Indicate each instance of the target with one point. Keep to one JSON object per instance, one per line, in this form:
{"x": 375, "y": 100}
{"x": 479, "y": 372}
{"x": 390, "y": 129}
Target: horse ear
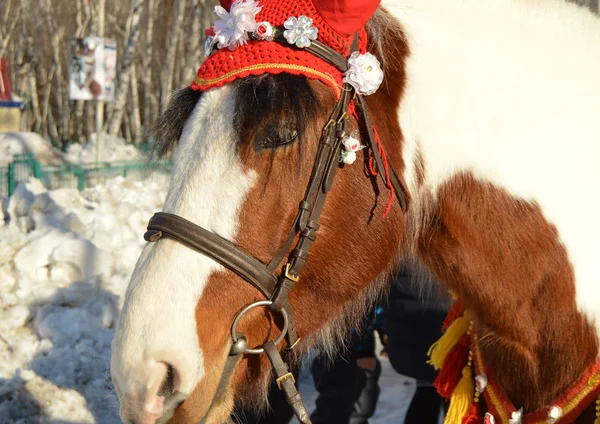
{"x": 226, "y": 4}
{"x": 346, "y": 16}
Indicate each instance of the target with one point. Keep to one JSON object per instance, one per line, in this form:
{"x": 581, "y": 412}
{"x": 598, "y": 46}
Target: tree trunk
{"x": 136, "y": 124}
{"x": 6, "y": 33}
{"x": 169, "y": 67}
{"x": 149, "y": 110}
{"x": 122, "y": 88}
{"x": 194, "y": 49}
{"x": 35, "y": 102}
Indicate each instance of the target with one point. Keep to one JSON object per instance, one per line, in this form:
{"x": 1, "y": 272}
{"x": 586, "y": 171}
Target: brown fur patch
{"x": 506, "y": 262}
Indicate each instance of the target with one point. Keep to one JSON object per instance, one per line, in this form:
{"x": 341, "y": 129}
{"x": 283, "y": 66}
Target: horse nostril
{"x": 167, "y": 387}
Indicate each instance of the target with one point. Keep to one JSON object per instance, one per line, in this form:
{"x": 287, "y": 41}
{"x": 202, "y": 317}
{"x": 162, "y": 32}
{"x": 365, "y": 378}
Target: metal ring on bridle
{"x": 239, "y": 316}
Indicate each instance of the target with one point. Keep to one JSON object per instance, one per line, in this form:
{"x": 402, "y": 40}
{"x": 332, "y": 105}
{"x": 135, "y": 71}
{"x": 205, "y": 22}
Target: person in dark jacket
{"x": 413, "y": 323}
{"x": 348, "y": 387}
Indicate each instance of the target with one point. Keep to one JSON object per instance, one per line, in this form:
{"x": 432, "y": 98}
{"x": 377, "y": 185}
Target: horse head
{"x": 252, "y": 136}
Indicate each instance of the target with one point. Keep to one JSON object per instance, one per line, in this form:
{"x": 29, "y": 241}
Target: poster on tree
{"x": 93, "y": 69}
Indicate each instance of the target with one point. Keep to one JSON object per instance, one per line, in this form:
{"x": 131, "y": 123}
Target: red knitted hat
{"x": 336, "y": 21}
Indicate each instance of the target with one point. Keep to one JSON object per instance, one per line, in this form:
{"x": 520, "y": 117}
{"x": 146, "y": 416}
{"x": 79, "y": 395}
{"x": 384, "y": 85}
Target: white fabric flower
{"x": 481, "y": 382}
{"x": 348, "y": 157}
{"x": 489, "y": 419}
{"x": 516, "y": 417}
{"x": 264, "y": 31}
{"x": 352, "y": 143}
{"x": 554, "y": 414}
{"x": 364, "y": 73}
{"x": 300, "y": 31}
{"x": 234, "y": 26}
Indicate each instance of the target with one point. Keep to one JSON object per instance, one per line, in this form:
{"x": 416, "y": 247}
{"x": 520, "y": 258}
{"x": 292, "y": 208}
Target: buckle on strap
{"x": 285, "y": 377}
{"x": 289, "y": 275}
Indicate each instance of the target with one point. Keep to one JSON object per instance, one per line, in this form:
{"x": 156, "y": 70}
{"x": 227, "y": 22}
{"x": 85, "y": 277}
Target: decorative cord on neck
{"x": 374, "y": 171}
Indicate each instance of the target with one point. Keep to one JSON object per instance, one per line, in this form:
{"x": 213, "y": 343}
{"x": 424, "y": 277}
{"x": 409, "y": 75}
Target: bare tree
{"x": 149, "y": 97}
{"x": 169, "y": 66}
{"x": 8, "y": 24}
{"x": 194, "y": 49}
{"x": 114, "y": 122}
{"x": 38, "y": 47}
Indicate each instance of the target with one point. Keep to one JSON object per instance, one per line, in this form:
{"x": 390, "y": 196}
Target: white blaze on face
{"x": 158, "y": 323}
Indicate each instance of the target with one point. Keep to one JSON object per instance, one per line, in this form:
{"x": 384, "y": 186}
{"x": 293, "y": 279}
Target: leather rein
{"x": 276, "y": 286}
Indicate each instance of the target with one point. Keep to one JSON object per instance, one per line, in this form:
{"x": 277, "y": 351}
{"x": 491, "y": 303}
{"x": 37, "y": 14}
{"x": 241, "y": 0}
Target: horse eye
{"x": 277, "y": 139}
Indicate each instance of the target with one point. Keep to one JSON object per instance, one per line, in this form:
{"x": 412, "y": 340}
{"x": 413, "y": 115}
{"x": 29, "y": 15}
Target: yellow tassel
{"x": 461, "y": 398}
{"x": 439, "y": 350}
{"x": 597, "y": 420}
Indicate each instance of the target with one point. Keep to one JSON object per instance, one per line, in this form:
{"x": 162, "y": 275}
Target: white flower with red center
{"x": 351, "y": 145}
{"x": 234, "y": 26}
{"x": 481, "y": 382}
{"x": 300, "y": 31}
{"x": 265, "y": 31}
{"x": 364, "y": 73}
{"x": 489, "y": 419}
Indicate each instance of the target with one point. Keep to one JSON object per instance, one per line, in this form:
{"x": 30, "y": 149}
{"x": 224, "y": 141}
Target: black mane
{"x": 271, "y": 110}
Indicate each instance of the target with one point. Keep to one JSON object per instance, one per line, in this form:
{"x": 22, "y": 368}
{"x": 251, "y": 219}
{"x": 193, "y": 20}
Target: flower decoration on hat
{"x": 364, "y": 73}
{"x": 300, "y": 31}
{"x": 264, "y": 31}
{"x": 233, "y": 27}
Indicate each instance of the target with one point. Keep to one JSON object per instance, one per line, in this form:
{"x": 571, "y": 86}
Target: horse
{"x": 487, "y": 117}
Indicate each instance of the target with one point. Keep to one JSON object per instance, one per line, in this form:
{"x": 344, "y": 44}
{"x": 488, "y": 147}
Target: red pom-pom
{"x": 346, "y": 16}
{"x": 473, "y": 415}
{"x": 451, "y": 370}
{"x": 226, "y": 4}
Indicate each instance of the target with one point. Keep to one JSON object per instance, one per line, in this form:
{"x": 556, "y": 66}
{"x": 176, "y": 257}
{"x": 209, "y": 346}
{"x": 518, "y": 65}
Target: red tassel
{"x": 451, "y": 370}
{"x": 456, "y": 310}
{"x": 473, "y": 415}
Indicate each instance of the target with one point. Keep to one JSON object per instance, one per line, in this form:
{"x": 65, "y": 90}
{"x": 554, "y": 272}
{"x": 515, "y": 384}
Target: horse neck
{"x": 497, "y": 251}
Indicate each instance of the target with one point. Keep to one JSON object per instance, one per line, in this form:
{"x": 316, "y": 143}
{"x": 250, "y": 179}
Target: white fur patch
{"x": 208, "y": 187}
{"x": 510, "y": 91}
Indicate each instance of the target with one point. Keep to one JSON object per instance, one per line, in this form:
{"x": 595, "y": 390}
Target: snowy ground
{"x": 112, "y": 149}
{"x": 18, "y": 143}
{"x": 65, "y": 261}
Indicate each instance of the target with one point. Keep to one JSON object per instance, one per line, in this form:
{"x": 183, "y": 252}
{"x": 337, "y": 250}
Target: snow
{"x": 18, "y": 143}
{"x": 112, "y": 149}
{"x": 65, "y": 260}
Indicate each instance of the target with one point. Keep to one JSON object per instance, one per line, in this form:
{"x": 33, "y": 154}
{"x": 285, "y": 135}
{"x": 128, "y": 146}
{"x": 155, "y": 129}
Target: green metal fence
{"x": 80, "y": 177}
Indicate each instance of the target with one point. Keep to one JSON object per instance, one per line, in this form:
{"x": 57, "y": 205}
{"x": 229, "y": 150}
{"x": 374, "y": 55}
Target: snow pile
{"x": 18, "y": 143}
{"x": 65, "y": 260}
{"x": 112, "y": 149}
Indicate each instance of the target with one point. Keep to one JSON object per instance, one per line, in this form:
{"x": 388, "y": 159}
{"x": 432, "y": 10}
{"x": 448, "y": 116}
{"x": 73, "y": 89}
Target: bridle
{"x": 274, "y": 286}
